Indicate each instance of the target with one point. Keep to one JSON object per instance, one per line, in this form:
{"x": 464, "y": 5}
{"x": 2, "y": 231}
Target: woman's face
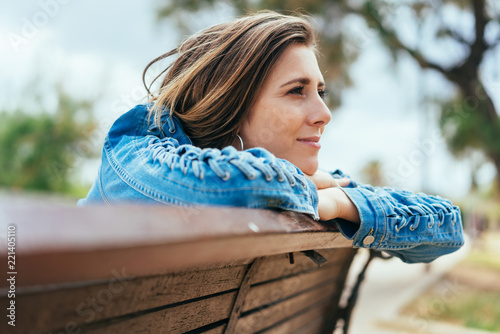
{"x": 290, "y": 115}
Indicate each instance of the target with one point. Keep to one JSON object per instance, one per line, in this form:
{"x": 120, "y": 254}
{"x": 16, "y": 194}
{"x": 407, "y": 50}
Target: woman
{"x": 237, "y": 121}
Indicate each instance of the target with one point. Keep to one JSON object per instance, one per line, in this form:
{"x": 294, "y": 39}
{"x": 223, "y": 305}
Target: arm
{"x": 141, "y": 165}
{"x": 188, "y": 175}
{"x": 413, "y": 227}
{"x": 332, "y": 201}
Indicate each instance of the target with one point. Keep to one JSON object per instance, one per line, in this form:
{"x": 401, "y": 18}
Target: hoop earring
{"x": 241, "y": 141}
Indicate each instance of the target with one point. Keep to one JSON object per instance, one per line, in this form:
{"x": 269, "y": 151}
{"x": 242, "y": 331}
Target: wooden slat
{"x": 99, "y": 227}
{"x": 268, "y": 316}
{"x": 71, "y": 267}
{"x": 178, "y": 319}
{"x": 217, "y": 330}
{"x": 280, "y": 289}
{"x": 313, "y": 327}
{"x": 45, "y": 310}
{"x": 242, "y": 295}
{"x": 300, "y": 320}
{"x": 85, "y": 304}
{"x": 81, "y": 244}
{"x": 279, "y": 265}
{"x": 66, "y": 259}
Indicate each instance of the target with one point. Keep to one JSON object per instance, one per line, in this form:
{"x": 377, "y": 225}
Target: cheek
{"x": 257, "y": 132}
{"x": 278, "y": 121}
{"x": 274, "y": 125}
{"x": 264, "y": 137}
{"x": 269, "y": 126}
{"x": 284, "y": 122}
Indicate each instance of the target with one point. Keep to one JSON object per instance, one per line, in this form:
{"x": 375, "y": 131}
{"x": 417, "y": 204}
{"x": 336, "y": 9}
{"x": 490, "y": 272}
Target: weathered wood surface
{"x": 302, "y": 321}
{"x": 60, "y": 245}
{"x": 172, "y": 270}
{"x": 82, "y": 304}
{"x": 178, "y": 319}
{"x": 286, "y": 287}
{"x": 267, "y": 316}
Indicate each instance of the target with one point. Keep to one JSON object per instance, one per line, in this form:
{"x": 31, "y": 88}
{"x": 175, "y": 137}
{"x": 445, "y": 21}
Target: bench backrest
{"x": 173, "y": 270}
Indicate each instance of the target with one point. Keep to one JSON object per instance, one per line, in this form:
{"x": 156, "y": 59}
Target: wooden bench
{"x": 156, "y": 269}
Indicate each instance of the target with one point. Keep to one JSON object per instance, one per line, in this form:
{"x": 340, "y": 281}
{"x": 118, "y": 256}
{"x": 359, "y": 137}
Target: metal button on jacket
{"x": 368, "y": 240}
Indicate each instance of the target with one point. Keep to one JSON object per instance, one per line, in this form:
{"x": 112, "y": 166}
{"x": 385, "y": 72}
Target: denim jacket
{"x": 142, "y": 163}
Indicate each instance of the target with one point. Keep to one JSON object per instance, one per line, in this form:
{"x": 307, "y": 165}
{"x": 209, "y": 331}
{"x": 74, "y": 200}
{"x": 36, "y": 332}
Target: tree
{"x": 469, "y": 119}
{"x": 39, "y": 150}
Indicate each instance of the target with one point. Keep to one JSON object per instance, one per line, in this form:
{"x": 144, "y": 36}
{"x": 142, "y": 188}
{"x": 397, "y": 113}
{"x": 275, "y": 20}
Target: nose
{"x": 320, "y": 115}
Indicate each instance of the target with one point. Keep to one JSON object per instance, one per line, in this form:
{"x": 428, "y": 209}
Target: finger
{"x": 343, "y": 182}
{"x": 321, "y": 180}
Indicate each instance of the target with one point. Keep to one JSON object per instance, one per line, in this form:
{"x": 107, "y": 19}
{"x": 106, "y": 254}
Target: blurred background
{"x": 414, "y": 92}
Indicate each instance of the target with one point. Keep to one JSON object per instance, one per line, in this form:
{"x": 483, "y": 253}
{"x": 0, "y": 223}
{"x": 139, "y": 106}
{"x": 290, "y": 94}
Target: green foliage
{"x": 469, "y": 293}
{"x": 38, "y": 151}
{"x": 464, "y": 128}
{"x": 483, "y": 259}
{"x": 473, "y": 308}
{"x": 461, "y": 298}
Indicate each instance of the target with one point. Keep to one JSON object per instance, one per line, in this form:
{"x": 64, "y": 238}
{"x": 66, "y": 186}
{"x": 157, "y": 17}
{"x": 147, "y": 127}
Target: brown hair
{"x": 219, "y": 71}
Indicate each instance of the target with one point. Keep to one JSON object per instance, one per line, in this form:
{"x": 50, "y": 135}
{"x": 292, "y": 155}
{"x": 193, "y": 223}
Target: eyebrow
{"x": 304, "y": 81}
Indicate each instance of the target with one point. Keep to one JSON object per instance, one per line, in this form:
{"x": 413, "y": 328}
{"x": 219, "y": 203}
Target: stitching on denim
{"x": 414, "y": 226}
{"x": 441, "y": 218}
{"x": 219, "y": 190}
{"x": 441, "y": 245}
{"x": 247, "y": 164}
{"x": 161, "y": 198}
{"x": 385, "y": 216}
{"x": 249, "y": 173}
{"x": 171, "y": 125}
{"x": 403, "y": 224}
{"x": 279, "y": 171}
{"x": 431, "y": 221}
{"x": 99, "y": 184}
{"x": 357, "y": 235}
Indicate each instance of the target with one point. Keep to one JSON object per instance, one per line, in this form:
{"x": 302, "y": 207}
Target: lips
{"x": 311, "y": 141}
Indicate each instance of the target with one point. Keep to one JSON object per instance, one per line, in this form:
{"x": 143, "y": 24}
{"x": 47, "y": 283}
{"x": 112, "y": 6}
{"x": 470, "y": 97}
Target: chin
{"x": 308, "y": 167}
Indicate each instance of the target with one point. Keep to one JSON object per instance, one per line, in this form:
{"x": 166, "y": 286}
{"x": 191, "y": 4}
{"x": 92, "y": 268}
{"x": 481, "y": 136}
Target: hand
{"x": 324, "y": 180}
{"x": 334, "y": 203}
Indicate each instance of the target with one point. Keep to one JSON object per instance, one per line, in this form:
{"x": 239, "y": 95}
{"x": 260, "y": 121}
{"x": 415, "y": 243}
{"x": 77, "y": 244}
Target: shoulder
{"x": 138, "y": 123}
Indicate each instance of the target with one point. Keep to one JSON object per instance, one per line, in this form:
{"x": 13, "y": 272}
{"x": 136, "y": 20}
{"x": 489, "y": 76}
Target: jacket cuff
{"x": 370, "y": 231}
{"x": 313, "y": 192}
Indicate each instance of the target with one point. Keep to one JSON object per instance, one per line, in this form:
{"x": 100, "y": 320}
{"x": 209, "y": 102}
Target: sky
{"x": 100, "y": 48}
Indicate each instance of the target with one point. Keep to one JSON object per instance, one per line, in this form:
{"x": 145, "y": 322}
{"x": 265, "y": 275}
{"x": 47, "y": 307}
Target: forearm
{"x": 413, "y": 227}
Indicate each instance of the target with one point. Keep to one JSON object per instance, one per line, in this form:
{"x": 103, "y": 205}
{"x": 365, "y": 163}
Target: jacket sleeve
{"x": 412, "y": 227}
{"x": 163, "y": 171}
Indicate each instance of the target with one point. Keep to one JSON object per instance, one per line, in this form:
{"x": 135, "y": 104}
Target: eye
{"x": 323, "y": 93}
{"x": 297, "y": 90}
